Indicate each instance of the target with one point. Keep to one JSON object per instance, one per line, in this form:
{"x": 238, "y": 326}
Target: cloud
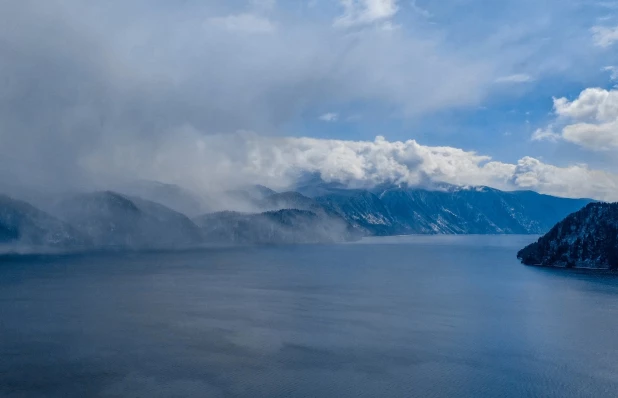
{"x": 571, "y": 181}
{"x": 329, "y": 117}
{"x": 78, "y": 78}
{"x": 613, "y": 72}
{"x": 546, "y": 134}
{"x": 593, "y": 104}
{"x": 516, "y": 78}
{"x": 360, "y": 12}
{"x": 590, "y": 121}
{"x": 603, "y": 36}
{"x": 191, "y": 158}
{"x": 599, "y": 137}
{"x": 244, "y": 23}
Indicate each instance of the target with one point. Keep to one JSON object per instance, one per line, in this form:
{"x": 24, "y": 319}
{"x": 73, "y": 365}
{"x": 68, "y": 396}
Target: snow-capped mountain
{"x": 587, "y": 238}
{"x": 442, "y": 209}
{"x": 471, "y": 210}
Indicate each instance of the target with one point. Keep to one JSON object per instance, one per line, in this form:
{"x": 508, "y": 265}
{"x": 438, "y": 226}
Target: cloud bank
{"x": 207, "y": 162}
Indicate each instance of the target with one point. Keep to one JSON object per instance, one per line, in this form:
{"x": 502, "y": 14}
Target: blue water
{"x": 403, "y": 316}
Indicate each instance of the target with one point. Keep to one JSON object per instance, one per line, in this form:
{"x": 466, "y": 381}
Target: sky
{"x": 212, "y": 94}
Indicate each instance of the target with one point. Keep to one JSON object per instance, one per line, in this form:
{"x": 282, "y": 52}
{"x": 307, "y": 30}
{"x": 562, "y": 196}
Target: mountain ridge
{"x": 485, "y": 210}
{"x": 108, "y": 219}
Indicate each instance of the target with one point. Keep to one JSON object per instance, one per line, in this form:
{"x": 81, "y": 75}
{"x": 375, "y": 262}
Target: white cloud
{"x": 516, "y": 78}
{"x": 248, "y": 23}
{"x": 190, "y": 158}
{"x": 600, "y": 137}
{"x": 360, "y": 12}
{"x": 604, "y": 36}
{"x": 572, "y": 181}
{"x": 594, "y": 104}
{"x": 613, "y": 72}
{"x": 329, "y": 117}
{"x": 546, "y": 134}
{"x": 590, "y": 121}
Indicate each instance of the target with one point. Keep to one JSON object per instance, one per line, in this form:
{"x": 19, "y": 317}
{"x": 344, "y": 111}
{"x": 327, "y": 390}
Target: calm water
{"x": 405, "y": 316}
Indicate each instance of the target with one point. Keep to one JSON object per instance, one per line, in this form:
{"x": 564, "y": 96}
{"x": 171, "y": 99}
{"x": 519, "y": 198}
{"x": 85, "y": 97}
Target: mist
{"x": 95, "y": 95}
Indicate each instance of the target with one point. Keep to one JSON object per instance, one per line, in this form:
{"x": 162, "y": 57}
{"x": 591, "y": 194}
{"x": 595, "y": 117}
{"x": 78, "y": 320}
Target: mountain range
{"x": 451, "y": 210}
{"x": 313, "y": 212}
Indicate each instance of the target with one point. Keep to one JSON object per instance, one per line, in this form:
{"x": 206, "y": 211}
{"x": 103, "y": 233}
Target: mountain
{"x": 322, "y": 212}
{"x": 363, "y": 210}
{"x": 112, "y": 220}
{"x": 288, "y": 200}
{"x": 172, "y": 196}
{"x": 287, "y": 217}
{"x": 259, "y": 192}
{"x": 587, "y": 238}
{"x": 274, "y": 227}
{"x": 24, "y": 226}
{"x": 246, "y": 199}
{"x": 295, "y": 200}
{"x": 393, "y": 210}
{"x": 312, "y": 185}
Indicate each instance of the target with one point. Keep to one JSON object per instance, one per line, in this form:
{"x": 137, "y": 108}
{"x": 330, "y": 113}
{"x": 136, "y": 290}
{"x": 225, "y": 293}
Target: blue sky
{"x": 550, "y": 44}
{"x": 516, "y": 94}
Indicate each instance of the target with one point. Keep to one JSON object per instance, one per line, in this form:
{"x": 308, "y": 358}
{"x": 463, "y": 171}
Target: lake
{"x": 426, "y": 316}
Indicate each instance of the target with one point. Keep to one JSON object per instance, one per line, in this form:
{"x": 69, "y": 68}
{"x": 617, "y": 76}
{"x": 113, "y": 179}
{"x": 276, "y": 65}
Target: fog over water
{"x": 424, "y": 316}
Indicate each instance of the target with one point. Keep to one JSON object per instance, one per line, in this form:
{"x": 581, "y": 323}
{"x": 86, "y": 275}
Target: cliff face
{"x": 585, "y": 239}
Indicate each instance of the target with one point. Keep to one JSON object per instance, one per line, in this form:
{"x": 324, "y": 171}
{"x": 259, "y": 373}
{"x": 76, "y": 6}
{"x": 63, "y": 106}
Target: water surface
{"x": 402, "y": 316}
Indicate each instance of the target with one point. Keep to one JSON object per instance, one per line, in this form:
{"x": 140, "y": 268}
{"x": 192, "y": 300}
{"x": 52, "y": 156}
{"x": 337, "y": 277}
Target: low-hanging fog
{"x": 97, "y": 95}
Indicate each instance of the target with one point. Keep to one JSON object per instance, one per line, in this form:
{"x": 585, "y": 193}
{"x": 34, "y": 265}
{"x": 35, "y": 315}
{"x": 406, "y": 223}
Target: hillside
{"x": 587, "y": 238}
{"x": 24, "y": 226}
{"x": 274, "y": 227}
{"x": 477, "y": 210}
{"x": 111, "y": 220}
